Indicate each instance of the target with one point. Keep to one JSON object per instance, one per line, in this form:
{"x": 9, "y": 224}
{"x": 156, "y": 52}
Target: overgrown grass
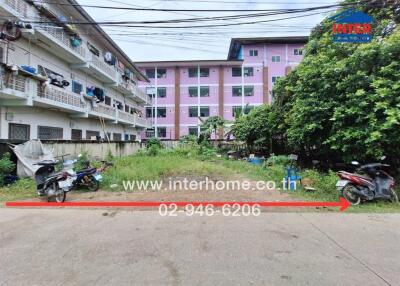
{"x": 22, "y": 189}
{"x": 163, "y": 166}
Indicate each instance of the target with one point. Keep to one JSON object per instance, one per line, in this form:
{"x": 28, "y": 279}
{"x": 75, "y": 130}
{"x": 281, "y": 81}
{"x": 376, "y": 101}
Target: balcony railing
{"x": 103, "y": 109}
{"x": 142, "y": 95}
{"x": 126, "y": 117}
{"x": 61, "y": 96}
{"x": 60, "y": 35}
{"x": 15, "y": 82}
{"x": 126, "y": 84}
{"x": 103, "y": 66}
{"x": 19, "y": 6}
{"x": 140, "y": 121}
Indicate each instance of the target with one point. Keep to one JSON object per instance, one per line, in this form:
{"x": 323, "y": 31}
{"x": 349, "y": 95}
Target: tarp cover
{"x": 28, "y": 154}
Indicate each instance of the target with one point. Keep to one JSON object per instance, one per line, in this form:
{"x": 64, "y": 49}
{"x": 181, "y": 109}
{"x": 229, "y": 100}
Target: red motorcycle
{"x": 373, "y": 184}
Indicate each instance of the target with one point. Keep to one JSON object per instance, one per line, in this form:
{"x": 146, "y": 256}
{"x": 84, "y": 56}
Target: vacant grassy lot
{"x": 168, "y": 165}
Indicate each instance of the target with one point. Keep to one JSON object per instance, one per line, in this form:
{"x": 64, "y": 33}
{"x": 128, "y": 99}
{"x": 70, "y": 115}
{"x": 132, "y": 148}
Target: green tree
{"x": 212, "y": 125}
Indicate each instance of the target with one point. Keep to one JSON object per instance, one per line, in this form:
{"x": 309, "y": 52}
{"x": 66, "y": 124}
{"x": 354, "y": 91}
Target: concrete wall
{"x": 96, "y": 150}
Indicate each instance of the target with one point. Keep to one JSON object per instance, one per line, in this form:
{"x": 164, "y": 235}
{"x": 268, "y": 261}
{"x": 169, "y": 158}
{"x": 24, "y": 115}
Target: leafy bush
{"x": 277, "y": 160}
{"x": 153, "y": 150}
{"x": 154, "y": 142}
{"x": 82, "y": 161}
{"x": 6, "y": 166}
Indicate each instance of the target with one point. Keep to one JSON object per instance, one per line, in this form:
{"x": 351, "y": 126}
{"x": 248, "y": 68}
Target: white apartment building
{"x": 65, "y": 82}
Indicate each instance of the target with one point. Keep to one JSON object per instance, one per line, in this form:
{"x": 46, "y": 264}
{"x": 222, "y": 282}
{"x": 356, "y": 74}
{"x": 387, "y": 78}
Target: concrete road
{"x": 87, "y": 247}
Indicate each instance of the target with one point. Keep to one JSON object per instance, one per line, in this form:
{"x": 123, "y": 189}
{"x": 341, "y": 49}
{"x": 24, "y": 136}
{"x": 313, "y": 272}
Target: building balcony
{"x": 104, "y": 111}
{"x": 103, "y": 71}
{"x": 141, "y": 97}
{"x": 57, "y": 41}
{"x": 17, "y": 8}
{"x": 125, "y": 118}
{"x": 13, "y": 86}
{"x": 58, "y": 98}
{"x": 124, "y": 86}
{"x": 142, "y": 122}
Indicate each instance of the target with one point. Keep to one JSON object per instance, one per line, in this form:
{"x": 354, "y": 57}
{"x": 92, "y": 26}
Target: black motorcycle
{"x": 51, "y": 184}
{"x": 373, "y": 183}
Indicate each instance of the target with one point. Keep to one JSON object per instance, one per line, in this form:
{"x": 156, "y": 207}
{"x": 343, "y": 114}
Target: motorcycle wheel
{"x": 61, "y": 195}
{"x": 394, "y": 198}
{"x": 93, "y": 185}
{"x": 352, "y": 198}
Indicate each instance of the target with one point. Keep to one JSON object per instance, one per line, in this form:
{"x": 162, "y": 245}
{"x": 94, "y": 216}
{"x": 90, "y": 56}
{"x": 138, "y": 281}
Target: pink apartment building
{"x": 183, "y": 91}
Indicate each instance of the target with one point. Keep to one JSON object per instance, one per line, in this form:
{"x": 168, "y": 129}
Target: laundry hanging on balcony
{"x": 75, "y": 41}
{"x": 110, "y": 59}
{"x": 10, "y": 31}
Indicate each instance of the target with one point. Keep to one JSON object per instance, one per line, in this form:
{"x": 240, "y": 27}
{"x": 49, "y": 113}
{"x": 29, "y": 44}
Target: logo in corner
{"x": 352, "y": 26}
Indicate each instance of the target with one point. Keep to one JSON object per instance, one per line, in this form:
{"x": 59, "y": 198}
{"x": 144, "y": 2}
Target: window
{"x": 193, "y": 72}
{"x": 276, "y": 59}
{"x": 194, "y": 130}
{"x": 107, "y": 100}
{"x": 127, "y": 108}
{"x": 161, "y": 92}
{"x": 150, "y": 112}
{"x": 93, "y": 50}
{"x": 236, "y": 91}
{"x": 193, "y": 111}
{"x": 117, "y": 136}
{"x": 253, "y": 53}
{"x": 161, "y": 112}
{"x": 204, "y": 72}
{"x": 77, "y": 87}
{"x": 151, "y": 73}
{"x": 193, "y": 91}
{"x": 161, "y": 73}
{"x": 92, "y": 134}
{"x": 162, "y": 132}
{"x": 248, "y": 71}
{"x": 151, "y": 91}
{"x": 76, "y": 134}
{"x": 275, "y": 78}
{"x": 237, "y": 71}
{"x": 236, "y": 111}
{"x": 249, "y": 90}
{"x": 298, "y": 52}
{"x": 19, "y": 131}
{"x": 204, "y": 91}
{"x": 118, "y": 105}
{"x": 50, "y": 133}
{"x": 204, "y": 111}
{"x": 132, "y": 137}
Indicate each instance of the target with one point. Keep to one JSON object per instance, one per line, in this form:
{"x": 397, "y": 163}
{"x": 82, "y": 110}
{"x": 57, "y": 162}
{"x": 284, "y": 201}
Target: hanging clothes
{"x": 99, "y": 94}
{"x": 90, "y": 90}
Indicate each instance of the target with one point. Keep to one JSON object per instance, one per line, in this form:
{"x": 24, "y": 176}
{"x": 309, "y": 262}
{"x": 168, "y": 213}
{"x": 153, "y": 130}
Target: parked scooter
{"x": 51, "y": 184}
{"x": 373, "y": 184}
{"x": 88, "y": 178}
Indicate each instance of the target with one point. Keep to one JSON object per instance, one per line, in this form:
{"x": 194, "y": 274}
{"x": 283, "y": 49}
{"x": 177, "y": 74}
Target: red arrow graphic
{"x": 343, "y": 204}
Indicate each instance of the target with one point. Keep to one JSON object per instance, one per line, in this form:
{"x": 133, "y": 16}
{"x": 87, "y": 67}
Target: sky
{"x": 160, "y": 44}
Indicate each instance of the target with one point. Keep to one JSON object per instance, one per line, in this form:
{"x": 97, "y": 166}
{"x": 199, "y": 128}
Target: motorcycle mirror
{"x": 355, "y": 163}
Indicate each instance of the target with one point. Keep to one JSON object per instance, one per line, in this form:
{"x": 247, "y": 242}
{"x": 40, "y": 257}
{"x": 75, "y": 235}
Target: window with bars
{"x": 19, "y": 131}
{"x": 151, "y": 73}
{"x": 50, "y": 133}
{"x": 253, "y": 53}
{"x": 117, "y": 136}
{"x": 76, "y": 134}
{"x": 91, "y": 134}
{"x": 237, "y": 71}
{"x": 161, "y": 73}
{"x": 298, "y": 52}
{"x": 162, "y": 132}
{"x": 194, "y": 130}
{"x": 77, "y": 87}
{"x": 248, "y": 71}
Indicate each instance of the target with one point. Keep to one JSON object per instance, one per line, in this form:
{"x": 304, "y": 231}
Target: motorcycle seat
{"x": 356, "y": 175}
{"x": 88, "y": 170}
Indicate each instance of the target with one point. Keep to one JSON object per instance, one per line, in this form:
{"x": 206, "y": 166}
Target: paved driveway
{"x": 87, "y": 247}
